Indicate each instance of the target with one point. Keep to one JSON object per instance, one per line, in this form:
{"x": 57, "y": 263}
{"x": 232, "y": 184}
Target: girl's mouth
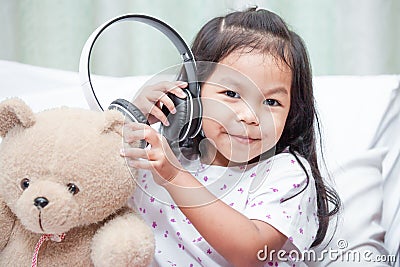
{"x": 243, "y": 139}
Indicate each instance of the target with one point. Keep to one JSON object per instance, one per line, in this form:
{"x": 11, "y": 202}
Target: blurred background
{"x": 344, "y": 37}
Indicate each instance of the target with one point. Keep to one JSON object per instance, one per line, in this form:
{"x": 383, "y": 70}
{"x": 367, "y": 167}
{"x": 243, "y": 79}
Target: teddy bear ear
{"x": 14, "y": 112}
{"x": 113, "y": 121}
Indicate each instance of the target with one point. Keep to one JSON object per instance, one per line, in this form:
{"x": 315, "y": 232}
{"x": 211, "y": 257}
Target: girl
{"x": 254, "y": 195}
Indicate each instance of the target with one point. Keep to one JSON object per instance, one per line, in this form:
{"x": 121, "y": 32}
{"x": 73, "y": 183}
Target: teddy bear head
{"x": 61, "y": 168}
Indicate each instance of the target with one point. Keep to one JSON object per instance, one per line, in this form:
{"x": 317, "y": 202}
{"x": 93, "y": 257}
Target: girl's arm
{"x": 237, "y": 238}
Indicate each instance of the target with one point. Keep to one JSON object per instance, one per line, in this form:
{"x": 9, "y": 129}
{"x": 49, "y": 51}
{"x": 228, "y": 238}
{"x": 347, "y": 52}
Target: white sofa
{"x": 360, "y": 131}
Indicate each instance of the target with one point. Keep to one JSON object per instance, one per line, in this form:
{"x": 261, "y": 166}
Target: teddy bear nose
{"x": 40, "y": 202}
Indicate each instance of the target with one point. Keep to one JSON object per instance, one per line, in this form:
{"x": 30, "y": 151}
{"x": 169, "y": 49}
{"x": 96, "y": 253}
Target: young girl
{"x": 255, "y": 188}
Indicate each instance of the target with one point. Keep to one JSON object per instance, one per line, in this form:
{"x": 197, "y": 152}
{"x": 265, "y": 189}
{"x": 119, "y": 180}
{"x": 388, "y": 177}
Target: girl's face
{"x": 245, "y": 101}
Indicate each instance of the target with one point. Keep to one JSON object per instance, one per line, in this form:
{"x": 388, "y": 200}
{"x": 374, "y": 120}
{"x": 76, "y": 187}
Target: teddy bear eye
{"x": 73, "y": 188}
{"x": 24, "y": 183}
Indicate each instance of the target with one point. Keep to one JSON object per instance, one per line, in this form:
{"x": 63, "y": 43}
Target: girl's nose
{"x": 247, "y": 115}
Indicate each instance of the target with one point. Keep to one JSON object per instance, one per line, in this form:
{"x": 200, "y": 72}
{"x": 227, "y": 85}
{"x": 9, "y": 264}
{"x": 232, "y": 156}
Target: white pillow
{"x": 359, "y": 184}
{"x": 351, "y": 109}
{"x": 389, "y": 137}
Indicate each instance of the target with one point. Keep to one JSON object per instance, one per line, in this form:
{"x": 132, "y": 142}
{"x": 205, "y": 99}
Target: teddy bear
{"x": 64, "y": 189}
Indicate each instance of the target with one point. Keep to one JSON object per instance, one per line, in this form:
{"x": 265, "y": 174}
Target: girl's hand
{"x": 159, "y": 158}
{"x": 150, "y": 98}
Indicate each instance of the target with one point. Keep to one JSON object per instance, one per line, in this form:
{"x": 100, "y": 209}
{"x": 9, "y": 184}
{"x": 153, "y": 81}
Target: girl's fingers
{"x": 140, "y": 164}
{"x": 165, "y": 100}
{"x": 138, "y": 131}
{"x": 157, "y": 113}
{"x": 178, "y": 91}
{"x": 134, "y": 153}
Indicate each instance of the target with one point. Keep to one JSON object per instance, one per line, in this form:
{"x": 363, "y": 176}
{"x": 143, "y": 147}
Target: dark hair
{"x": 266, "y": 32}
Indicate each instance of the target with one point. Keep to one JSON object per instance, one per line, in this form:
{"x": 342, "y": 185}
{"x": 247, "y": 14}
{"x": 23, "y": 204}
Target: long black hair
{"x": 265, "y": 32}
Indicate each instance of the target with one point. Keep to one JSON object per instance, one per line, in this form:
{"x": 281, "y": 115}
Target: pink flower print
{"x": 144, "y": 175}
{"x": 166, "y": 234}
{"x": 154, "y": 225}
{"x": 181, "y": 246}
{"x": 253, "y": 205}
{"x": 274, "y": 189}
{"x": 152, "y": 199}
{"x": 240, "y": 190}
{"x": 231, "y": 204}
{"x": 161, "y": 211}
{"x": 173, "y": 220}
{"x": 296, "y": 185}
{"x": 197, "y": 240}
{"x": 268, "y": 170}
{"x": 291, "y": 239}
{"x": 146, "y": 186}
{"x": 268, "y": 216}
{"x": 242, "y": 167}
{"x": 209, "y": 251}
{"x": 223, "y": 187}
{"x": 301, "y": 230}
{"x": 260, "y": 203}
{"x": 292, "y": 161}
{"x": 205, "y": 178}
{"x": 179, "y": 235}
{"x": 143, "y": 180}
{"x": 172, "y": 207}
{"x": 199, "y": 260}
{"x": 142, "y": 210}
{"x": 253, "y": 175}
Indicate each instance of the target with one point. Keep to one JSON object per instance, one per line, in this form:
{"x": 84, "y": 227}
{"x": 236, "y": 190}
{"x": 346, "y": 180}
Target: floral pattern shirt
{"x": 276, "y": 191}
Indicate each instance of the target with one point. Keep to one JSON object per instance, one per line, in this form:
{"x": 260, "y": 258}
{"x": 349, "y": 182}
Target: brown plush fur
{"x": 53, "y": 149}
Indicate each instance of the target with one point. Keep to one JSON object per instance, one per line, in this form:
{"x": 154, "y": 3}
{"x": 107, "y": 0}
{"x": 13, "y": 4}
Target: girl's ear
{"x": 113, "y": 121}
{"x": 13, "y": 113}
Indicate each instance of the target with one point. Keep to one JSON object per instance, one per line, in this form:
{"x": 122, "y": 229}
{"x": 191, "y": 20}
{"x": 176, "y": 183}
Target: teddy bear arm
{"x": 123, "y": 241}
{"x": 7, "y": 220}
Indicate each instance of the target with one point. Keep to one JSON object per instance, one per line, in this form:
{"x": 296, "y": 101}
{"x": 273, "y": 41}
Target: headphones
{"x": 186, "y": 122}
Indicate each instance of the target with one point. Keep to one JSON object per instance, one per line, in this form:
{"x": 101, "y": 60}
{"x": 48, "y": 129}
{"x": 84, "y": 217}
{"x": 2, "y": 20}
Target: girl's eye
{"x": 232, "y": 94}
{"x": 271, "y": 102}
{"x": 24, "y": 183}
{"x": 73, "y": 188}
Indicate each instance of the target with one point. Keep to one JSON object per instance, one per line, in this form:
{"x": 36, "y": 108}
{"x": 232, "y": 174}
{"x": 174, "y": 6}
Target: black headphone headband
{"x": 169, "y": 32}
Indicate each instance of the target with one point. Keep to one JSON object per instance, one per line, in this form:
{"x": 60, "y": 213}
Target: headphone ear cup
{"x": 129, "y": 110}
{"x": 132, "y": 112}
{"x": 181, "y": 120}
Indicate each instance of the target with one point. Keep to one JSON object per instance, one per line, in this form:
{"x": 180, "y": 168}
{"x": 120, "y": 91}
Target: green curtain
{"x": 349, "y": 37}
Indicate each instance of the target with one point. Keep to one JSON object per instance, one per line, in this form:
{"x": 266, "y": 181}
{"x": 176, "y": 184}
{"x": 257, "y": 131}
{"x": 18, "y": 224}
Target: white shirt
{"x": 258, "y": 191}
